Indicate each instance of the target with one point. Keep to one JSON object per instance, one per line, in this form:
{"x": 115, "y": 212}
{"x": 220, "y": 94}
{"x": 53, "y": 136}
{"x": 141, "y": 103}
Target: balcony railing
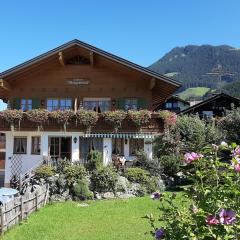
{"x": 155, "y": 124}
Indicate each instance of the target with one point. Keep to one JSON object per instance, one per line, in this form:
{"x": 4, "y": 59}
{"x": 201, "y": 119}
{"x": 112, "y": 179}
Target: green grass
{"x": 194, "y": 92}
{"x": 106, "y": 220}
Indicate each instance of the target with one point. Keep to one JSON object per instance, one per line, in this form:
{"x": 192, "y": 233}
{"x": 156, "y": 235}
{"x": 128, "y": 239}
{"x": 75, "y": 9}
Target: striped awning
{"x": 120, "y": 135}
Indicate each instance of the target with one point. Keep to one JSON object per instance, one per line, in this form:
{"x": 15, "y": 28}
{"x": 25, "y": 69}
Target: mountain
{"x": 201, "y": 66}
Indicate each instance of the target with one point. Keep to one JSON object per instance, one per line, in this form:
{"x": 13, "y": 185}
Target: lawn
{"x": 108, "y": 219}
{"x": 194, "y": 92}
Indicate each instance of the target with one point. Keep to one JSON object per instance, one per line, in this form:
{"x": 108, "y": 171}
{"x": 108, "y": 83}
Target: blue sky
{"x": 140, "y": 31}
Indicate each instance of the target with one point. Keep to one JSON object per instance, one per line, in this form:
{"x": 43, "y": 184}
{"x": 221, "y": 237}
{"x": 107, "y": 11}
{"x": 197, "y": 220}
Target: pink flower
{"x": 227, "y": 216}
{"x": 236, "y": 152}
{"x": 190, "y": 157}
{"x": 237, "y": 167}
{"x": 212, "y": 220}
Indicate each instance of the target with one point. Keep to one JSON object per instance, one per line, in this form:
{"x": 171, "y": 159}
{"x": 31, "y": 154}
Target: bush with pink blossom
{"x": 214, "y": 197}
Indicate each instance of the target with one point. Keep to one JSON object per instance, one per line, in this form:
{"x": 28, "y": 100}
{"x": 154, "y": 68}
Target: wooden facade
{"x": 214, "y": 106}
{"x": 173, "y": 104}
{"x": 50, "y": 76}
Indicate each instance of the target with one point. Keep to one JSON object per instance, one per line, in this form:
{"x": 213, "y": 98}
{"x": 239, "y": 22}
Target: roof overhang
{"x": 155, "y": 78}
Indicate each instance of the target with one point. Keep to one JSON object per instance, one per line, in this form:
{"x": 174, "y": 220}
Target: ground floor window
{"x": 20, "y": 145}
{"x": 36, "y": 145}
{"x": 60, "y": 147}
{"x": 135, "y": 145}
{"x": 86, "y": 145}
{"x": 118, "y": 146}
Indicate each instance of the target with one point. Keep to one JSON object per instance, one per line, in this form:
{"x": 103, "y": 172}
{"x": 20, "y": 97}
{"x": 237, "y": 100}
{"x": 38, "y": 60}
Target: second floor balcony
{"x": 81, "y": 121}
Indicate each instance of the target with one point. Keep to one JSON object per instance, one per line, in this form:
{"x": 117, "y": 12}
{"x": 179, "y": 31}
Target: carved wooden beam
{"x": 61, "y": 58}
{"x": 152, "y": 83}
{"x": 5, "y": 85}
{"x": 92, "y": 58}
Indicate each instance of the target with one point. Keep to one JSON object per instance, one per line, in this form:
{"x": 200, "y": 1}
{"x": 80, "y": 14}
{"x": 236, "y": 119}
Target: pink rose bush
{"x": 213, "y": 201}
{"x": 190, "y": 157}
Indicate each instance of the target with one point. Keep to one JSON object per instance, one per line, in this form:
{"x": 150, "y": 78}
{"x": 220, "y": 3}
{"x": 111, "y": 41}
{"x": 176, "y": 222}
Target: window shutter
{"x": 36, "y": 103}
{"x": 142, "y": 103}
{"x": 120, "y": 103}
{"x": 16, "y": 103}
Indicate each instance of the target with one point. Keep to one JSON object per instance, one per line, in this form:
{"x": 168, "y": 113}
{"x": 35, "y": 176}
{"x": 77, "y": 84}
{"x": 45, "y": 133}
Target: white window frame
{"x": 33, "y": 145}
{"x": 15, "y": 147}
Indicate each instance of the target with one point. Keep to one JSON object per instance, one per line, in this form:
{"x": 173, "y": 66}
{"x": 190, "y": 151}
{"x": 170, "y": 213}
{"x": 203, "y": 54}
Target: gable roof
{"x": 105, "y": 54}
{"x": 213, "y": 98}
{"x": 175, "y": 97}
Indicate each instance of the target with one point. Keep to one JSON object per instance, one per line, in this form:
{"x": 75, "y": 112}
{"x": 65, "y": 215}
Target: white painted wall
{"x": 148, "y": 148}
{"x": 28, "y": 160}
{"x": 107, "y": 151}
{"x": 126, "y": 149}
{"x": 31, "y": 161}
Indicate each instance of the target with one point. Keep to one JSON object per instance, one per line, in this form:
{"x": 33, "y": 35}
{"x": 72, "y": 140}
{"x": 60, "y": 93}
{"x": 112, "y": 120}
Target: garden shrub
{"x": 137, "y": 175}
{"x": 103, "y": 179}
{"x": 44, "y": 171}
{"x": 191, "y": 131}
{"x": 151, "y": 165}
{"x": 81, "y": 190}
{"x": 61, "y": 164}
{"x": 213, "y": 198}
{"x": 151, "y": 185}
{"x": 142, "y": 176}
{"x": 195, "y": 133}
{"x": 95, "y": 160}
{"x": 73, "y": 173}
{"x": 230, "y": 125}
{"x": 170, "y": 164}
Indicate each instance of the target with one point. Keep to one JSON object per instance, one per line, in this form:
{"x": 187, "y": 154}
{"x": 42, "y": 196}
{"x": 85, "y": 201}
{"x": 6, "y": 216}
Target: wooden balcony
{"x": 155, "y": 125}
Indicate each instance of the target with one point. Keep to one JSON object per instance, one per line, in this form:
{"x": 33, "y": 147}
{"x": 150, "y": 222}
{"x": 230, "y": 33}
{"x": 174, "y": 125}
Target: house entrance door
{"x": 89, "y": 144}
{"x": 60, "y": 147}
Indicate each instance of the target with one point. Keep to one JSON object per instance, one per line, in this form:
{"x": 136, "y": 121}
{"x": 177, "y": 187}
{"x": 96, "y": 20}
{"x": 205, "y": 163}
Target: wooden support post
{"x": 2, "y": 220}
{"x": 92, "y": 59}
{"x": 36, "y": 201}
{"x": 21, "y": 210}
{"x": 61, "y": 58}
{"x": 152, "y": 83}
{"x": 75, "y": 105}
{"x": 5, "y": 85}
{"x": 20, "y": 183}
{"x": 46, "y": 196}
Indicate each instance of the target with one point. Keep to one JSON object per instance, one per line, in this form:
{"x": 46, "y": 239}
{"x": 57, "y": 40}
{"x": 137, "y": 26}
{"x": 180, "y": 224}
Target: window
{"x": 175, "y": 105}
{"x": 97, "y": 105}
{"x": 20, "y": 145}
{"x": 60, "y": 147}
{"x": 135, "y": 145}
{"x": 118, "y": 146}
{"x": 168, "y": 105}
{"x": 86, "y": 145}
{"x": 207, "y": 114}
{"x": 131, "y": 104}
{"x": 54, "y": 104}
{"x": 36, "y": 145}
{"x": 26, "y": 104}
